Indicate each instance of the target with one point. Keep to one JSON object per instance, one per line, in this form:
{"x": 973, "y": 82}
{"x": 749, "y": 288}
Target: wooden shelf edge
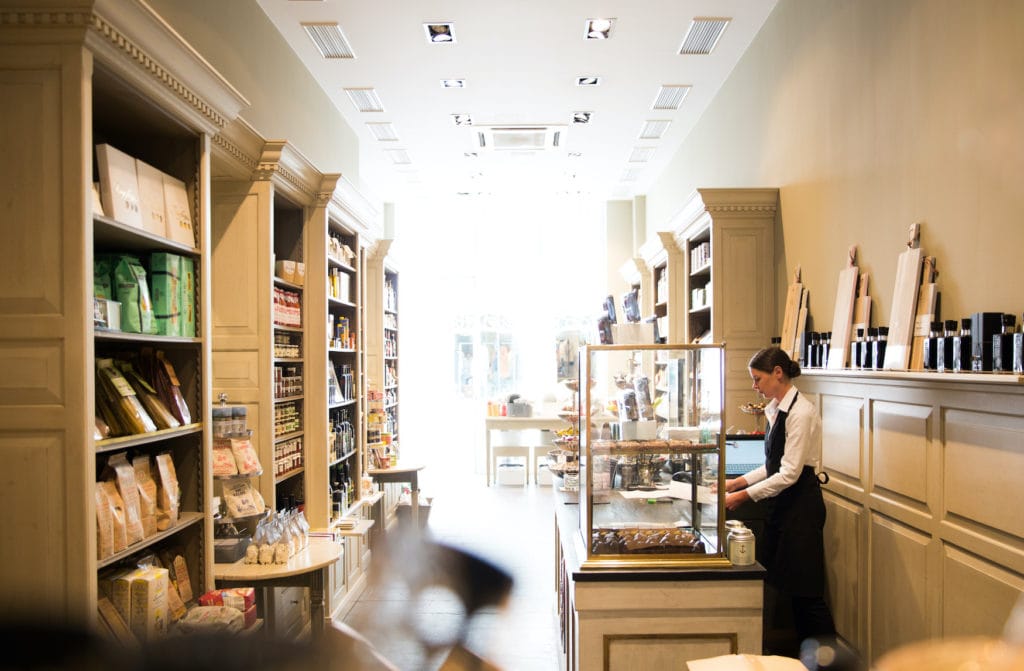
{"x": 137, "y": 439}
{"x": 289, "y": 475}
{"x": 185, "y": 520}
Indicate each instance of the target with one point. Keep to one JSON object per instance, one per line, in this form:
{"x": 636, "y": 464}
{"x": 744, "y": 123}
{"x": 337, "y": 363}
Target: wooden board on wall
{"x": 841, "y": 320}
{"x": 904, "y": 304}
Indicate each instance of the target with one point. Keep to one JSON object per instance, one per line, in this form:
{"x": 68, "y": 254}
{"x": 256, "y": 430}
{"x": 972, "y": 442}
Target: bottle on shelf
{"x": 944, "y": 356}
{"x": 855, "y": 350}
{"x": 962, "y": 346}
{"x": 1002, "y": 344}
{"x": 1018, "y": 348}
{"x": 879, "y": 345}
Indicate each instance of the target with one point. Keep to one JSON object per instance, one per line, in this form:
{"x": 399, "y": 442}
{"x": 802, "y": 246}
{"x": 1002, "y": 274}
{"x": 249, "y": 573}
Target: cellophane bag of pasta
{"x": 223, "y": 458}
{"x": 119, "y": 398}
{"x": 270, "y": 536}
{"x": 104, "y": 524}
{"x": 245, "y": 456}
{"x": 120, "y": 532}
{"x": 157, "y": 369}
{"x": 168, "y": 497}
{"x": 147, "y": 493}
{"x": 158, "y": 411}
{"x": 124, "y": 475}
{"x": 283, "y": 547}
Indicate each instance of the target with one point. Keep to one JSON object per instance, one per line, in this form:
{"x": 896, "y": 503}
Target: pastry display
{"x": 645, "y": 541}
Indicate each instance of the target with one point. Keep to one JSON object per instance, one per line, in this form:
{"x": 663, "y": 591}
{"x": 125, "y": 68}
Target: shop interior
{"x": 376, "y": 337}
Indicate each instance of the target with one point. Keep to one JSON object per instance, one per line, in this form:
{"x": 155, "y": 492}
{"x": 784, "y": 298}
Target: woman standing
{"x": 793, "y": 543}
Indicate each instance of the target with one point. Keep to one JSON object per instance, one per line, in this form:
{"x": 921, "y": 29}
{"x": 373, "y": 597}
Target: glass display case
{"x": 651, "y": 442}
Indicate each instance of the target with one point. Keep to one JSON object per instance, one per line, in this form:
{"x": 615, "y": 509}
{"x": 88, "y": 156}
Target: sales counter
{"x": 637, "y": 618}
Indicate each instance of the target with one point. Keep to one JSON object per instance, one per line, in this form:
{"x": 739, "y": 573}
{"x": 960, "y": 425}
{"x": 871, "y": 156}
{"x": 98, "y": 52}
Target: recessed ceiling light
{"x": 599, "y": 29}
{"x": 670, "y": 97}
{"x": 440, "y": 33}
{"x": 581, "y": 117}
{"x": 365, "y": 99}
{"x": 703, "y": 34}
{"x": 641, "y": 154}
{"x": 383, "y": 131}
{"x": 462, "y": 119}
{"x": 329, "y": 40}
{"x": 399, "y": 156}
{"x": 453, "y": 83}
{"x": 588, "y": 81}
{"x": 653, "y": 130}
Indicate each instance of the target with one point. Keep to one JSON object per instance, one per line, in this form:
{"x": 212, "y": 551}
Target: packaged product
{"x": 147, "y": 494}
{"x": 223, "y": 458}
{"x": 245, "y": 456}
{"x": 188, "y": 297}
{"x": 168, "y": 498}
{"x": 239, "y": 500}
{"x": 149, "y": 603}
{"x": 169, "y": 389}
{"x": 119, "y": 532}
{"x": 104, "y": 523}
{"x": 158, "y": 411}
{"x": 115, "y": 624}
{"x": 119, "y": 399}
{"x": 102, "y": 431}
{"x": 118, "y": 589}
{"x": 102, "y": 273}
{"x": 177, "y": 573}
{"x": 165, "y": 276}
{"x": 175, "y": 606}
{"x": 124, "y": 475}
{"x": 132, "y": 290}
{"x": 212, "y": 620}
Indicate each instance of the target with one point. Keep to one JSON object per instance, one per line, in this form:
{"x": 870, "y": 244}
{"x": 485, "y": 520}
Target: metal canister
{"x": 741, "y": 546}
{"x": 730, "y": 525}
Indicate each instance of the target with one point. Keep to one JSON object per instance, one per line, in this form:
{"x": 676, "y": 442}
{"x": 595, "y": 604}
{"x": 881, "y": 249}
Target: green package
{"x": 102, "y": 285}
{"x": 133, "y": 293}
{"x": 165, "y": 278}
{"x": 188, "y": 297}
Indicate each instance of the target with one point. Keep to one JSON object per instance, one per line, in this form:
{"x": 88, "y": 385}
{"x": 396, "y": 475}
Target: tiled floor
{"x": 511, "y": 527}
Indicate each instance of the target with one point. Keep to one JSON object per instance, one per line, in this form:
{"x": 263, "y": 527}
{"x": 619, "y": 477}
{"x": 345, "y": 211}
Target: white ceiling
{"x": 520, "y": 61}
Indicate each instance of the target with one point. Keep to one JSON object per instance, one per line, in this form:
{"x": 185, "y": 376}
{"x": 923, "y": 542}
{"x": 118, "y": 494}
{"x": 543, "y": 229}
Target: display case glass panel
{"x": 651, "y": 488}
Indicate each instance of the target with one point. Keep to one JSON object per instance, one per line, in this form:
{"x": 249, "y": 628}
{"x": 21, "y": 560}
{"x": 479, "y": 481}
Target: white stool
{"x": 523, "y": 452}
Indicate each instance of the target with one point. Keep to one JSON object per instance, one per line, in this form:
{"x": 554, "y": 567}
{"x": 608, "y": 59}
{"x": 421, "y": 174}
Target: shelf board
{"x": 703, "y": 270}
{"x": 144, "y": 338}
{"x": 288, "y": 329}
{"x": 360, "y": 529}
{"x": 287, "y": 436}
{"x": 390, "y": 311}
{"x": 343, "y": 458}
{"x": 135, "y": 440}
{"x": 110, "y": 235}
{"x": 246, "y": 518}
{"x": 278, "y": 282}
{"x": 289, "y": 475}
{"x": 372, "y": 498}
{"x": 388, "y": 406}
{"x": 288, "y": 359}
{"x": 331, "y": 300}
{"x": 701, "y": 310}
{"x": 342, "y": 404}
{"x": 388, "y": 328}
{"x": 334, "y": 263}
{"x": 185, "y": 520}
{"x": 289, "y": 398}
{"x": 341, "y": 350}
{"x": 239, "y": 476}
{"x": 391, "y": 386}
{"x": 391, "y": 358}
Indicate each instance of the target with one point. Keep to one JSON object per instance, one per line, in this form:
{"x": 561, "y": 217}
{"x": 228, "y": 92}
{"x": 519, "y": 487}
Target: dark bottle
{"x": 826, "y": 347}
{"x": 944, "y": 360}
{"x": 1018, "y": 348}
{"x": 879, "y": 346}
{"x": 811, "y": 339}
{"x": 984, "y": 325}
{"x": 867, "y": 361}
{"x": 1002, "y": 345}
{"x": 776, "y": 341}
{"x": 931, "y": 347}
{"x": 855, "y": 349}
{"x": 962, "y": 346}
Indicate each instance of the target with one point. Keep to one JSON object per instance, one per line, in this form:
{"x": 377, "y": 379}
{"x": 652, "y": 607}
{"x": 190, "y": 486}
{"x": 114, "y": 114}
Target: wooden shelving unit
{"x": 77, "y": 79}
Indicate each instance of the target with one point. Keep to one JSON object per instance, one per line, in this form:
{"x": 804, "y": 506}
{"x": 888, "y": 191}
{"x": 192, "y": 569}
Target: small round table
{"x": 308, "y": 568}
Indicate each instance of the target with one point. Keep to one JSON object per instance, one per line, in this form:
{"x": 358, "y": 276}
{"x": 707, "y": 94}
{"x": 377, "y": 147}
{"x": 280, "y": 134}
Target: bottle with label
{"x": 931, "y": 343}
{"x": 1002, "y": 345}
{"x": 1018, "y": 348}
{"x": 945, "y": 347}
{"x": 962, "y": 346}
{"x": 879, "y": 345}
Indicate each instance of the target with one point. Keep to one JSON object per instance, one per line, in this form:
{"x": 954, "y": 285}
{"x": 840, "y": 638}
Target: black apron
{"x": 794, "y": 544}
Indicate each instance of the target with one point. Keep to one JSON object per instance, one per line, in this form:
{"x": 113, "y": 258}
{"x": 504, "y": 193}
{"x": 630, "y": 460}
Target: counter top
{"x": 567, "y": 518}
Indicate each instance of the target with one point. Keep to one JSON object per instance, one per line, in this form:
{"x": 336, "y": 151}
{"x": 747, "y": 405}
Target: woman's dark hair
{"x": 767, "y": 359}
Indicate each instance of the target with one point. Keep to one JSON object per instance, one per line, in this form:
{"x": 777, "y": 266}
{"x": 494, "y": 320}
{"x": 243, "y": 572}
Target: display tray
{"x": 650, "y": 447}
{"x": 642, "y": 540}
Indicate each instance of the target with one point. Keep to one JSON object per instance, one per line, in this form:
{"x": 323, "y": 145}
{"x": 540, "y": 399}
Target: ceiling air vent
{"x": 630, "y": 174}
{"x": 399, "y": 156}
{"x": 670, "y": 97}
{"x": 365, "y": 99}
{"x": 653, "y": 130}
{"x": 641, "y": 154}
{"x": 531, "y": 138}
{"x": 703, "y": 35}
{"x": 329, "y": 39}
{"x": 383, "y": 131}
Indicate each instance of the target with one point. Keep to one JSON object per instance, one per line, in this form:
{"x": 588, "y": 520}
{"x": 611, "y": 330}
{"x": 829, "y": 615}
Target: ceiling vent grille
{"x": 654, "y": 130}
{"x": 329, "y": 39}
{"x": 641, "y": 154}
{"x": 365, "y": 99}
{"x": 670, "y": 97}
{"x": 630, "y": 174}
{"x": 703, "y": 35}
{"x": 383, "y": 131}
{"x": 399, "y": 156}
{"x": 519, "y": 138}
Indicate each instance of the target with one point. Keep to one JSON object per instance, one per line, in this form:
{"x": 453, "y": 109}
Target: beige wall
{"x": 870, "y": 115}
{"x": 619, "y": 236}
{"x": 238, "y": 39}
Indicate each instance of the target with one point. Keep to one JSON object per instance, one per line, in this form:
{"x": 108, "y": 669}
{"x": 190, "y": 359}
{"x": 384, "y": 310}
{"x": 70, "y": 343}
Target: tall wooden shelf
{"x": 102, "y": 72}
{"x": 714, "y": 267}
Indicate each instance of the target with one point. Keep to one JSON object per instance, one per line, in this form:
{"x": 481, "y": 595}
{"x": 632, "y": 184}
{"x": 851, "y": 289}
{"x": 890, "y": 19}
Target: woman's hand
{"x": 734, "y": 500}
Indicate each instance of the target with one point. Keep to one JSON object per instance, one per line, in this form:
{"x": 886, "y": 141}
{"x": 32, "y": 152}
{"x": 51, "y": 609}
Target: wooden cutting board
{"x": 789, "y": 343}
{"x": 925, "y": 314}
{"x": 842, "y": 319}
{"x": 904, "y": 306}
{"x": 862, "y": 307}
{"x": 801, "y": 323}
